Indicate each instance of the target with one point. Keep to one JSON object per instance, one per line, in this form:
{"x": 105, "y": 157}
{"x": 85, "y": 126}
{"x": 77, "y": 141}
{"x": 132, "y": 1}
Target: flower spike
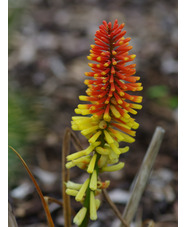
{"x": 106, "y": 119}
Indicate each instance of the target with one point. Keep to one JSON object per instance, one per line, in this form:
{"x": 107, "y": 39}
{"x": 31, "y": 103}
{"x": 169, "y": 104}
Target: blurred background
{"x": 48, "y": 44}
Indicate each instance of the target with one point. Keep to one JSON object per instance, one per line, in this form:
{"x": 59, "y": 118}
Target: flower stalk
{"x": 106, "y": 120}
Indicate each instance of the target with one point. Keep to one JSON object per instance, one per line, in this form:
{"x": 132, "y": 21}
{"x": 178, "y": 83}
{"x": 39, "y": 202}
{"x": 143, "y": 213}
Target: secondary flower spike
{"x": 106, "y": 119}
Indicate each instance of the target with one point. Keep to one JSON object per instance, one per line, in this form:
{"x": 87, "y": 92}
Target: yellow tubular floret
{"x": 93, "y": 181}
{"x": 93, "y": 212}
{"x": 139, "y": 99}
{"x": 77, "y": 111}
{"x": 102, "y": 151}
{"x": 76, "y": 155}
{"x": 124, "y": 150}
{"x": 98, "y": 202}
{"x": 102, "y": 161}
{"x": 115, "y": 149}
{"x": 112, "y": 168}
{"x": 117, "y": 134}
{"x": 83, "y": 98}
{"x": 71, "y": 192}
{"x": 73, "y": 185}
{"x": 136, "y": 106}
{"x": 89, "y": 130}
{"x": 78, "y": 219}
{"x": 95, "y": 137}
{"x": 70, "y": 165}
{"x": 108, "y": 137}
{"x": 127, "y": 138}
{"x": 92, "y": 164}
{"x": 84, "y": 159}
{"x": 115, "y": 111}
{"x": 91, "y": 147}
{"x": 113, "y": 155}
{"x": 82, "y": 190}
{"x": 107, "y": 117}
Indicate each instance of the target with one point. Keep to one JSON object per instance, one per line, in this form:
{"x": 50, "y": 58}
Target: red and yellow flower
{"x": 106, "y": 119}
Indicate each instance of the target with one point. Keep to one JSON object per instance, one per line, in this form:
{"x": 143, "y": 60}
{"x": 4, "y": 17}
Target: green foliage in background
{"x": 24, "y": 128}
{"x": 162, "y": 95}
{"x": 20, "y": 124}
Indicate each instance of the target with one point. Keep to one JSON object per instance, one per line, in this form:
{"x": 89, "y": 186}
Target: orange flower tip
{"x": 92, "y": 46}
{"x": 127, "y": 116}
{"x": 131, "y": 98}
{"x": 89, "y": 57}
{"x": 103, "y": 73}
{"x": 86, "y": 82}
{"x": 98, "y": 66}
{"x": 137, "y": 106}
{"x": 139, "y": 89}
{"x": 98, "y": 58}
{"x": 125, "y": 58}
{"x": 107, "y": 102}
{"x": 133, "y": 112}
{"x": 95, "y": 75}
{"x": 86, "y": 74}
{"x": 106, "y": 65}
{"x": 121, "y": 93}
{"x": 114, "y": 63}
{"x": 120, "y": 101}
{"x": 112, "y": 89}
{"x": 129, "y": 38}
{"x": 114, "y": 52}
{"x": 113, "y": 70}
{"x": 135, "y": 125}
{"x": 139, "y": 99}
{"x": 88, "y": 93}
{"x": 123, "y": 25}
{"x": 90, "y": 64}
{"x": 132, "y": 56}
{"x": 107, "y": 118}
